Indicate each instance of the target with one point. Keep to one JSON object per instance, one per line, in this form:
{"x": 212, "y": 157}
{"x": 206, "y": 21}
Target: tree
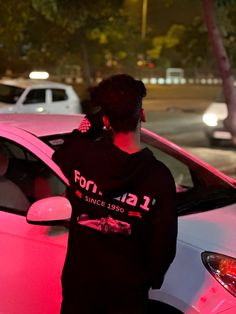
{"x": 165, "y": 46}
{"x": 52, "y": 33}
{"x": 194, "y": 50}
{"x": 222, "y": 59}
{"x": 184, "y": 46}
{"x": 90, "y": 25}
{"x": 13, "y": 17}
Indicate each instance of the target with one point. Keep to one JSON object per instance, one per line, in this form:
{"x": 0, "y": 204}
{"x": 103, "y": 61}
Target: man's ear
{"x": 142, "y": 115}
{"x": 106, "y": 122}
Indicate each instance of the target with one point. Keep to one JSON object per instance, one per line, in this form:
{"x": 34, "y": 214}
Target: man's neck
{"x": 128, "y": 142}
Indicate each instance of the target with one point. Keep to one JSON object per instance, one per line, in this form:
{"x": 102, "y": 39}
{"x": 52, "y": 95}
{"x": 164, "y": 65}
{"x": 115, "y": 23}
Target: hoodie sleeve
{"x": 64, "y": 155}
{"x": 163, "y": 232}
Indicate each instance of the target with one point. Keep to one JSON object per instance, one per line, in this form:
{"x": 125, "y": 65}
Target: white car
{"x": 213, "y": 118}
{"x": 202, "y": 278}
{"x": 37, "y": 96}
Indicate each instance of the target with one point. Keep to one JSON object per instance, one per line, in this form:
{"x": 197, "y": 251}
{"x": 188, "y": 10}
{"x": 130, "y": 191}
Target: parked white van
{"x": 38, "y": 96}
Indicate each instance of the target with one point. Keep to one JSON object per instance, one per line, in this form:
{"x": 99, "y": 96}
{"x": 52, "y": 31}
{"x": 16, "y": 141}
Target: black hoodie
{"x": 124, "y": 223}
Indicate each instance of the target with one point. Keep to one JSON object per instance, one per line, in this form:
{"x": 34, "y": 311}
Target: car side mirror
{"x": 49, "y": 211}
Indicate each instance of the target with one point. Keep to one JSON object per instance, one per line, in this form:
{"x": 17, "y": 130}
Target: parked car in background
{"x": 37, "y": 96}
{"x": 213, "y": 118}
{"x": 202, "y": 278}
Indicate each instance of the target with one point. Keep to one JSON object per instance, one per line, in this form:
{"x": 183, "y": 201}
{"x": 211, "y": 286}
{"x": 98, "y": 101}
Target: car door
{"x": 32, "y": 256}
{"x": 199, "y": 189}
{"x": 35, "y": 100}
{"x": 59, "y": 101}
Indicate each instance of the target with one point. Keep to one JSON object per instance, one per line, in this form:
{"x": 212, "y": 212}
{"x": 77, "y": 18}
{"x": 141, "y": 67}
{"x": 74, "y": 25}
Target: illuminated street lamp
{"x": 144, "y": 19}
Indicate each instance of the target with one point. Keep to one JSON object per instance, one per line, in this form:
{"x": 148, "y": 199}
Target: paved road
{"x": 185, "y": 128}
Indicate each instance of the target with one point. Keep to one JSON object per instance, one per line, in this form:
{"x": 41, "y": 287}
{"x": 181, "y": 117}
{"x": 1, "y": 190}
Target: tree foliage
{"x": 184, "y": 46}
{"x": 52, "y": 33}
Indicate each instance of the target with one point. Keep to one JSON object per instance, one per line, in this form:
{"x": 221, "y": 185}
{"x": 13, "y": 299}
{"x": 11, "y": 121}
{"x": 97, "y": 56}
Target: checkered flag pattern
{"x": 85, "y": 125}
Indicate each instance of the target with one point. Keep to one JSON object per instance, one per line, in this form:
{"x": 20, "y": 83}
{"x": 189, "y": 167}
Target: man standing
{"x": 123, "y": 229}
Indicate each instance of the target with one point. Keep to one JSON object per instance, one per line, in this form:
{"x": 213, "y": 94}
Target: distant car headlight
{"x": 210, "y": 119}
{"x": 222, "y": 268}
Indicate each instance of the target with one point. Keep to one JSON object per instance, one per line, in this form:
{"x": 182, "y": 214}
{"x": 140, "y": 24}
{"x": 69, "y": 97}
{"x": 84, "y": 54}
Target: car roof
{"x": 41, "y": 124}
{"x": 24, "y": 83}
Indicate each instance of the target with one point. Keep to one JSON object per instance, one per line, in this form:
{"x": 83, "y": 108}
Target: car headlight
{"x": 222, "y": 268}
{"x": 210, "y": 119}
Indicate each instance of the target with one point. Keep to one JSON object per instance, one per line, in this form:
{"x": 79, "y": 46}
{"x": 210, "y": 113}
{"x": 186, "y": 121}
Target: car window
{"x": 59, "y": 94}
{"x": 10, "y": 94}
{"x": 35, "y": 96}
{"x": 197, "y": 188}
{"x": 180, "y": 172}
{"x": 24, "y": 178}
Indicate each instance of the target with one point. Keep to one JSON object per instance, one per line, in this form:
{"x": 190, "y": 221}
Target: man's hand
{"x": 91, "y": 125}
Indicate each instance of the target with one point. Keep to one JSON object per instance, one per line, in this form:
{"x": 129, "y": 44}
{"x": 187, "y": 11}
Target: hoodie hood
{"x": 117, "y": 171}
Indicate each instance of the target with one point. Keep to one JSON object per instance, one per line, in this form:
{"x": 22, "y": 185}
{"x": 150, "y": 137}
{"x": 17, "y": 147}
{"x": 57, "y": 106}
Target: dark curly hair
{"x": 120, "y": 98}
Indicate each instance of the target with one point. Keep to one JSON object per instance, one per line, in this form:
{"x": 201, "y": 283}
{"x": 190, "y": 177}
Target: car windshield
{"x": 198, "y": 189}
{"x": 10, "y": 94}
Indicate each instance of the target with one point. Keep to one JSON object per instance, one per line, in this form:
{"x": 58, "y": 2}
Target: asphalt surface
{"x": 185, "y": 127}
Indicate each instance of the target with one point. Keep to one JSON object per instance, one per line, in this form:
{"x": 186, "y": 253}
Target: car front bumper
{"x": 218, "y": 132}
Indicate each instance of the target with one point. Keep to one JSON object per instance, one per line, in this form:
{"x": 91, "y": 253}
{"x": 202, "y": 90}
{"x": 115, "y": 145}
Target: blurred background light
{"x": 40, "y": 75}
{"x": 153, "y": 80}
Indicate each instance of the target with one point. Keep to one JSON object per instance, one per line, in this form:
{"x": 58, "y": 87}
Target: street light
{"x": 144, "y": 19}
